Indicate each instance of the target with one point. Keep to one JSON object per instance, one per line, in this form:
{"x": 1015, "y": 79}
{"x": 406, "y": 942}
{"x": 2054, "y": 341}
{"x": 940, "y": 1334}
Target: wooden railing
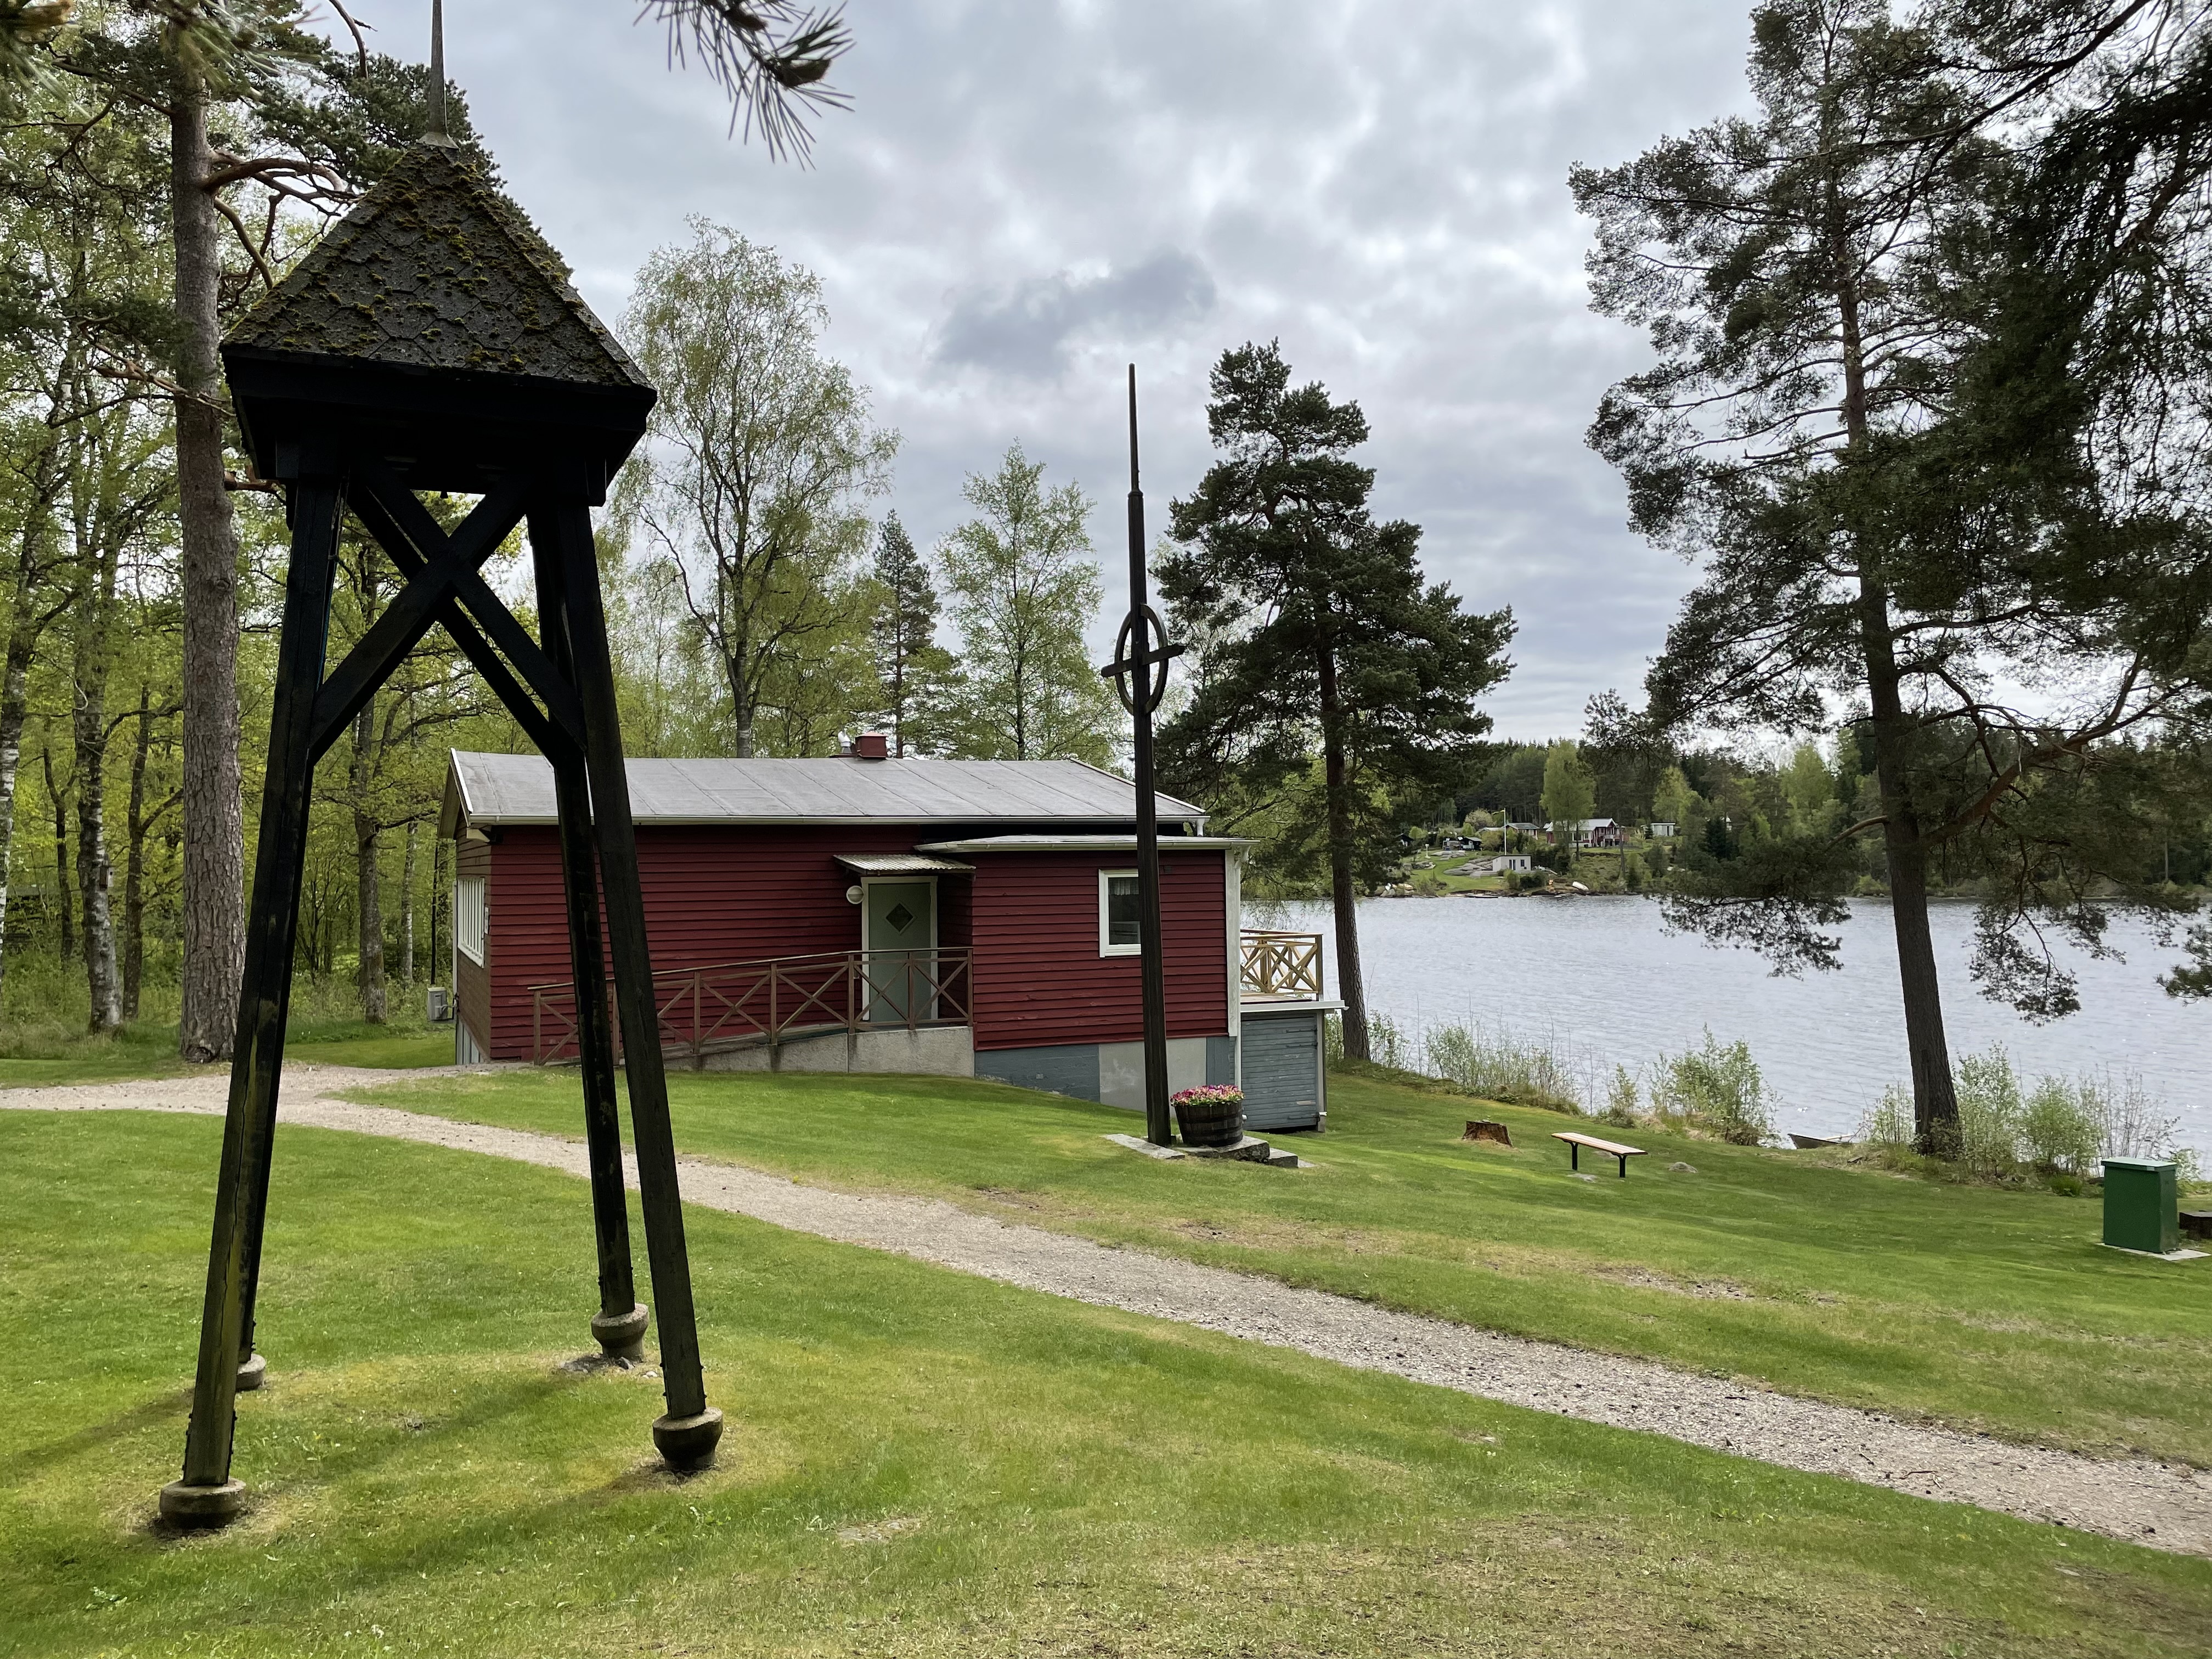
{"x": 1281, "y": 964}
{"x": 734, "y": 1004}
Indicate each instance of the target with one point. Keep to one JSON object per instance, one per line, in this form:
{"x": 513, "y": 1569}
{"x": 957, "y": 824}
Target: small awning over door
{"x": 902, "y": 863}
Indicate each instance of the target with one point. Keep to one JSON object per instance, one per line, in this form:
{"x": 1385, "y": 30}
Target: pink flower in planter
{"x": 1209, "y": 1094}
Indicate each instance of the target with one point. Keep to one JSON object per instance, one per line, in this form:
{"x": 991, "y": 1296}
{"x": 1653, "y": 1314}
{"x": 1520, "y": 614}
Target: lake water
{"x": 1602, "y": 977}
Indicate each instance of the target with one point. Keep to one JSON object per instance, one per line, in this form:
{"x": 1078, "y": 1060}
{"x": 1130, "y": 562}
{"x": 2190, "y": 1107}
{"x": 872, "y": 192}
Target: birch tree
{"x": 1024, "y": 591}
{"x": 760, "y": 460}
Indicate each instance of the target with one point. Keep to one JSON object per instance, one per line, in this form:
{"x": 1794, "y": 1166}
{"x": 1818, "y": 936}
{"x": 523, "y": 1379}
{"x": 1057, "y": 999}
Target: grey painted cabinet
{"x": 1282, "y": 1070}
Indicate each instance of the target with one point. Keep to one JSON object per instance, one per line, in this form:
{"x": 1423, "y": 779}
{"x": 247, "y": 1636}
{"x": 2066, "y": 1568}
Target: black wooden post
{"x": 687, "y": 1433}
{"x": 1139, "y": 672}
{"x": 620, "y": 1324}
{"x": 206, "y": 1494}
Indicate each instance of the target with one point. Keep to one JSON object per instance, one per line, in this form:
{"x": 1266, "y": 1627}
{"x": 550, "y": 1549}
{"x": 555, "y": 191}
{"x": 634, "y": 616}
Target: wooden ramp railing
{"x": 1277, "y": 964}
{"x": 772, "y": 999}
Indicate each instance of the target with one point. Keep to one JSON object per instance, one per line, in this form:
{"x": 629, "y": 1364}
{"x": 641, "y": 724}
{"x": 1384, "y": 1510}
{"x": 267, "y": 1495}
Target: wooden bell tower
{"x": 431, "y": 342}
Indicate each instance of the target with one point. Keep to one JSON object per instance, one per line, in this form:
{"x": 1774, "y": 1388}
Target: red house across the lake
{"x": 859, "y": 913}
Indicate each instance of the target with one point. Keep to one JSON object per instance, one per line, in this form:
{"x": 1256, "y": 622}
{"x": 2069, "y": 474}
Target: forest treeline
{"x": 1720, "y": 801}
{"x": 164, "y": 164}
{"x": 164, "y": 161}
{"x": 163, "y": 168}
{"x": 1927, "y": 409}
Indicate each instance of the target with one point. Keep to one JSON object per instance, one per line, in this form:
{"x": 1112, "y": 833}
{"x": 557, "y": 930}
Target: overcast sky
{"x": 1023, "y": 197}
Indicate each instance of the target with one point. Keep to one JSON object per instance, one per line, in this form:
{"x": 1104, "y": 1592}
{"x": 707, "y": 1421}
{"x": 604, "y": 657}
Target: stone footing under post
{"x": 251, "y": 1372}
{"x": 184, "y": 1505}
{"x": 688, "y": 1443}
{"x": 623, "y": 1336}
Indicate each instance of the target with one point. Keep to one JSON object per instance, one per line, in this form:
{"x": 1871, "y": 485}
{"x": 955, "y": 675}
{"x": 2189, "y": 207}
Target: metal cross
{"x": 1148, "y": 663}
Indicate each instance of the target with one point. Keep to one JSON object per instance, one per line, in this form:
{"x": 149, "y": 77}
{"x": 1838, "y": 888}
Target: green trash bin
{"x": 2142, "y": 1206}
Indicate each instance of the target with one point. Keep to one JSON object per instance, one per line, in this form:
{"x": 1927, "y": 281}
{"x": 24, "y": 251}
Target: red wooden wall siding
{"x": 716, "y": 895}
{"x": 711, "y": 896}
{"x": 1039, "y": 978}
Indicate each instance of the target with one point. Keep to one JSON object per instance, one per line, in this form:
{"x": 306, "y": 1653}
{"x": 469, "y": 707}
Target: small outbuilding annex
{"x": 859, "y": 913}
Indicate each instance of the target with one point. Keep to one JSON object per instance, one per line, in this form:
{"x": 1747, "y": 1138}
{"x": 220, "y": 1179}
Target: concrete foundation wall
{"x": 1112, "y": 1073}
{"x": 934, "y": 1051}
{"x": 1070, "y": 1069}
{"x": 1122, "y": 1070}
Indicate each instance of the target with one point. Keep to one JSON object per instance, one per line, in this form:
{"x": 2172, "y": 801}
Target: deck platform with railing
{"x": 1277, "y": 965}
{"x": 707, "y": 1011}
{"x": 775, "y": 1000}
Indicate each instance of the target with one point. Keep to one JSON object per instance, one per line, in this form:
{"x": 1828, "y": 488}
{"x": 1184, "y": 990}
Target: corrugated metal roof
{"x": 903, "y": 864}
{"x": 1083, "y": 844}
{"x": 489, "y": 790}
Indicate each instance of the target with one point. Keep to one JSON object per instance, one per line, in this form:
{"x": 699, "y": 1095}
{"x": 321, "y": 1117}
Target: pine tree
{"x": 1816, "y": 278}
{"x": 1314, "y": 629}
{"x": 909, "y": 662}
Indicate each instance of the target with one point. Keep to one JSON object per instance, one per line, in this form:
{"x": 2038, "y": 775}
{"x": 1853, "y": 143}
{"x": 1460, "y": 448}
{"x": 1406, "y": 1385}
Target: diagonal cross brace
{"x": 348, "y": 687}
{"x": 445, "y": 580}
{"x": 552, "y": 741}
{"x": 529, "y": 660}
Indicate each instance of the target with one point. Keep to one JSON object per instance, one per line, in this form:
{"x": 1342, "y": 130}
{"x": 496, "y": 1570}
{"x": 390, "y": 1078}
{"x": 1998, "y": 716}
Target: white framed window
{"x": 469, "y": 917}
{"x": 1117, "y": 913}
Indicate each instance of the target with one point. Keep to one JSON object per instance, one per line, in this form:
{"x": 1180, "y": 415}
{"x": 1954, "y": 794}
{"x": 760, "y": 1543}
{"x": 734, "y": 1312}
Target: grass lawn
{"x": 49, "y": 1056}
{"x": 917, "y": 1463}
{"x": 1988, "y": 1309}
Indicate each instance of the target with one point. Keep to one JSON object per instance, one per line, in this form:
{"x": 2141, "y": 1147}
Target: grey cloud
{"x": 1380, "y": 183}
{"x": 1026, "y": 330}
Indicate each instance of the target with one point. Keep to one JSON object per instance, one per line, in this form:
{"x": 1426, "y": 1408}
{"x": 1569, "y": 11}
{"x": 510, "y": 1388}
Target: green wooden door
{"x": 901, "y": 939}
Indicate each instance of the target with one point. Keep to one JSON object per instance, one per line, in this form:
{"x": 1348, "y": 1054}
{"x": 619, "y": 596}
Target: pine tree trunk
{"x": 1934, "y": 1100}
{"x": 367, "y": 840}
{"x": 1934, "y": 1097}
{"x": 407, "y": 909}
{"x": 895, "y": 684}
{"x": 12, "y": 707}
{"x": 213, "y": 820}
{"x": 62, "y": 908}
{"x": 1351, "y": 985}
{"x": 134, "y": 865}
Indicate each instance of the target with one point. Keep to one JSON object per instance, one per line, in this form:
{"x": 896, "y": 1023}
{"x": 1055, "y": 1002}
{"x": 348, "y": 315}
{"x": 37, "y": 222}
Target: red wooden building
{"x": 859, "y": 913}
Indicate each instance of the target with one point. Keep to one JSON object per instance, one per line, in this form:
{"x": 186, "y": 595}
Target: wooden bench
{"x": 1610, "y": 1148}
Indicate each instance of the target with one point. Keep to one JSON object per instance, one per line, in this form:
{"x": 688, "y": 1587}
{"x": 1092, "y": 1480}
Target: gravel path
{"x": 2164, "y": 1506}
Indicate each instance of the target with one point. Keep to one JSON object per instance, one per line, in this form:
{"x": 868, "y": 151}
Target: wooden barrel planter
{"x": 1212, "y": 1115}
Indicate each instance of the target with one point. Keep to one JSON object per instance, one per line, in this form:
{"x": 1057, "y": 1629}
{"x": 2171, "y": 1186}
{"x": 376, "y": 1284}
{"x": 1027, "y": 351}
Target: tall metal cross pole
{"x": 1139, "y": 674}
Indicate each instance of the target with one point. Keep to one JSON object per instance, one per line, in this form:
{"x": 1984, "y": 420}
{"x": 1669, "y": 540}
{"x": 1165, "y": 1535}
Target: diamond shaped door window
{"x": 900, "y": 918}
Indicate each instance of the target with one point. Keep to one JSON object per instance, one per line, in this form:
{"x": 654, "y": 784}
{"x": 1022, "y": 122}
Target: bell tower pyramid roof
{"x": 434, "y": 269}
{"x": 432, "y": 332}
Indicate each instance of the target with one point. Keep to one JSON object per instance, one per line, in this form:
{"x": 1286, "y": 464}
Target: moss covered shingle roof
{"x": 434, "y": 269}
